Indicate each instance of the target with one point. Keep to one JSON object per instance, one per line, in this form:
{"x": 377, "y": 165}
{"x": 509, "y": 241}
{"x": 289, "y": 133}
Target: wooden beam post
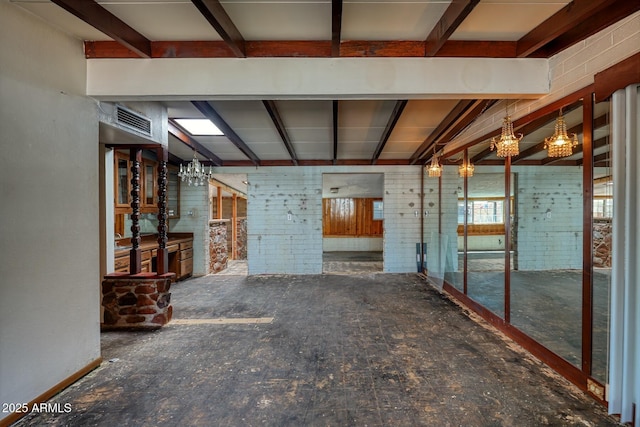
{"x": 135, "y": 254}
{"x": 162, "y": 259}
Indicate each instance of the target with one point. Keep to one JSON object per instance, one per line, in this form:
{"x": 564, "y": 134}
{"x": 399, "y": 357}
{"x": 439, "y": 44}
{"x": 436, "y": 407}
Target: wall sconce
{"x": 560, "y": 144}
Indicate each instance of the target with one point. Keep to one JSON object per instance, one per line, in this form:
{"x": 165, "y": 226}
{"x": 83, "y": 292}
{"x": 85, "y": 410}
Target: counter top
{"x": 149, "y": 242}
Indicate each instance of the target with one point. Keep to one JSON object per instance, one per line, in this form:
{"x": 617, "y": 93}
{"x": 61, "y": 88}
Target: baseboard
{"x": 5, "y": 422}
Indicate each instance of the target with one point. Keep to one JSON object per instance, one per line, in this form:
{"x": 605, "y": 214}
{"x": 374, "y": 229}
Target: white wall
{"x": 549, "y": 214}
{"x": 279, "y": 245}
{"x": 194, "y": 218}
{"x": 49, "y": 228}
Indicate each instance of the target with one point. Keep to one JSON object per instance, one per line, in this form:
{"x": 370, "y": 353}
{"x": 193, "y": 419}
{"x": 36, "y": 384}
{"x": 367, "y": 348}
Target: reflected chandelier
{"x": 194, "y": 173}
{"x": 560, "y": 144}
{"x": 465, "y": 169}
{"x": 508, "y": 143}
{"x": 435, "y": 169}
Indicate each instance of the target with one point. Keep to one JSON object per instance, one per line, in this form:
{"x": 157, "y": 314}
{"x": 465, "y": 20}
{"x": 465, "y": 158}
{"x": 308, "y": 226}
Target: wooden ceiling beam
{"x": 457, "y": 11}
{"x": 563, "y": 21}
{"x": 391, "y": 124}
{"x": 100, "y": 18}
{"x": 185, "y": 138}
{"x": 458, "y": 110}
{"x": 590, "y": 26}
{"x": 302, "y": 49}
{"x": 272, "y": 109}
{"x": 336, "y": 27}
{"x": 207, "y": 110}
{"x": 214, "y": 12}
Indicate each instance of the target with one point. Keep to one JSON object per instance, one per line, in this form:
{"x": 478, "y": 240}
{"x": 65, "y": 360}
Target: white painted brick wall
{"x": 549, "y": 209}
{"x": 284, "y": 221}
{"x": 402, "y": 226}
{"x": 277, "y": 245}
{"x": 195, "y": 200}
{"x": 451, "y": 185}
{"x": 570, "y": 70}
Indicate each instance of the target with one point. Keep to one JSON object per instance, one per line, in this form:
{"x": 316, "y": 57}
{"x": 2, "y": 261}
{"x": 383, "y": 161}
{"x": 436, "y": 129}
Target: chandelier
{"x": 560, "y": 144}
{"x": 465, "y": 169}
{"x": 194, "y": 173}
{"x": 508, "y": 143}
{"x": 435, "y": 170}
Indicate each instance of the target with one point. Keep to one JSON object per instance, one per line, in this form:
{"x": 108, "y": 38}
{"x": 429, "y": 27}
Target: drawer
{"x": 146, "y": 255}
{"x": 122, "y": 263}
{"x": 186, "y": 245}
{"x": 173, "y": 248}
{"x": 186, "y": 267}
{"x": 186, "y": 253}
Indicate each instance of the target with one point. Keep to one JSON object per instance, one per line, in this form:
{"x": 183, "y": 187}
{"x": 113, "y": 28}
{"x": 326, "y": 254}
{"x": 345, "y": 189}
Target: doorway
{"x": 228, "y": 196}
{"x": 352, "y": 223}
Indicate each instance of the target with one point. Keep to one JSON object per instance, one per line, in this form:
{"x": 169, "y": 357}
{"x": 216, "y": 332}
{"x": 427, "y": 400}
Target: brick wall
{"x": 549, "y": 208}
{"x": 284, "y": 229}
{"x": 194, "y": 218}
{"x": 277, "y": 244}
{"x": 451, "y": 185}
{"x": 402, "y": 225}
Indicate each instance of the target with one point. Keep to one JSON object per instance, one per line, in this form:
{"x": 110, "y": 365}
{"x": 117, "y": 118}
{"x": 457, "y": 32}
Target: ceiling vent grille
{"x": 133, "y": 120}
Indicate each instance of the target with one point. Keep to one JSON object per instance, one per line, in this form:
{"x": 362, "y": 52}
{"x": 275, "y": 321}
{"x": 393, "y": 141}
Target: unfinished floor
{"x": 318, "y": 350}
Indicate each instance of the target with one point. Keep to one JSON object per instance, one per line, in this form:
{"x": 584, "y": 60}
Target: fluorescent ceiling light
{"x": 199, "y": 126}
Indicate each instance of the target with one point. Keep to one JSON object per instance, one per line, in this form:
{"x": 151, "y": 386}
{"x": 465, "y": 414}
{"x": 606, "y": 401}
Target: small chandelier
{"x": 435, "y": 170}
{"x": 194, "y": 173}
{"x": 508, "y": 143}
{"x": 465, "y": 169}
{"x": 560, "y": 144}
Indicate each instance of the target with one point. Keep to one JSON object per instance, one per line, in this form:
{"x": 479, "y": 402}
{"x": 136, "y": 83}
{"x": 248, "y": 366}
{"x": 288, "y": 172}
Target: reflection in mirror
{"x": 546, "y": 276}
{"x": 452, "y": 190}
{"x": 436, "y": 245}
{"x": 485, "y": 237}
{"x": 602, "y": 219}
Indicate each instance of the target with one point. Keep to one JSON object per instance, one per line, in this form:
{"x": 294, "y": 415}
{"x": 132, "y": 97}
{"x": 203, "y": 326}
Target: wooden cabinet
{"x": 149, "y": 198}
{"x": 173, "y": 192}
{"x": 180, "y": 255}
{"x": 148, "y": 184}
{"x": 122, "y": 182}
{"x": 185, "y": 258}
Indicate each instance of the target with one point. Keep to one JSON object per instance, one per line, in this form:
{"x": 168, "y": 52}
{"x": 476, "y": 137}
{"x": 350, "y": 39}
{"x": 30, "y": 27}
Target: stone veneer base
{"x": 136, "y": 301}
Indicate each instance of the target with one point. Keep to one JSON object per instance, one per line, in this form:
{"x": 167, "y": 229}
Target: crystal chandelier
{"x": 465, "y": 169}
{"x": 435, "y": 170}
{"x": 508, "y": 143}
{"x": 194, "y": 173}
{"x": 560, "y": 144}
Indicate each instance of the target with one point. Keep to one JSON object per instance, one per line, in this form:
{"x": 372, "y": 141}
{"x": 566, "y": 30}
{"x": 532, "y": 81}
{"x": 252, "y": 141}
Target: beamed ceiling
{"x": 325, "y": 131}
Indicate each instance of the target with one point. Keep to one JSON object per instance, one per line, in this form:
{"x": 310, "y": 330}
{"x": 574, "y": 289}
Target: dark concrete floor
{"x": 321, "y": 350}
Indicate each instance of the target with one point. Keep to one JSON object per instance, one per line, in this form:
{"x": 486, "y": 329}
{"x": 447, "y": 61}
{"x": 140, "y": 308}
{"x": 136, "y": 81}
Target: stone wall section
{"x": 602, "y": 244}
{"x": 241, "y": 238}
{"x": 218, "y": 256}
{"x": 140, "y": 301}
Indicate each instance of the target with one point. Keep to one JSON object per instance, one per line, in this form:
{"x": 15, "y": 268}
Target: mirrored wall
{"x": 526, "y": 240}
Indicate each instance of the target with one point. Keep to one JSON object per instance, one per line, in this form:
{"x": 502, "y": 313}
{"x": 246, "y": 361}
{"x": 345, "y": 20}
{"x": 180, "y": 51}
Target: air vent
{"x": 133, "y": 120}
